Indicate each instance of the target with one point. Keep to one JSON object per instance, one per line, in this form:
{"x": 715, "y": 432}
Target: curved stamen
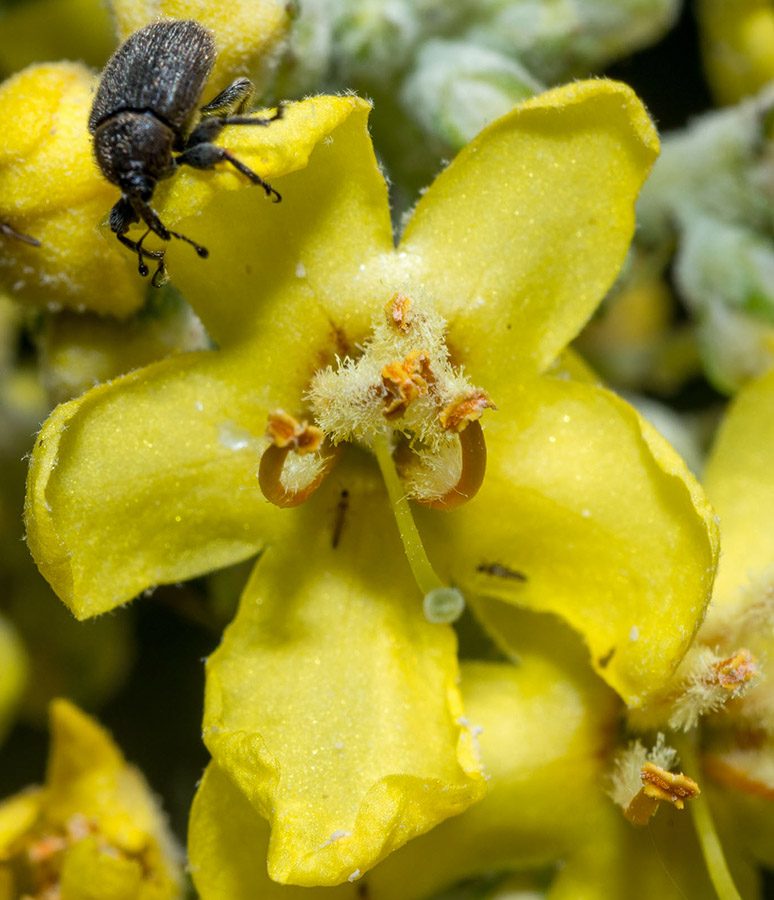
{"x": 471, "y": 478}
{"x": 270, "y": 477}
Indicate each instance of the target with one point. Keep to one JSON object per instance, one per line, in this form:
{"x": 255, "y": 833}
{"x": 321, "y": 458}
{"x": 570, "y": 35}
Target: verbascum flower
{"x": 737, "y": 40}
{"x": 547, "y": 731}
{"x": 249, "y": 34}
{"x": 54, "y": 29}
{"x": 351, "y": 375}
{"x": 51, "y": 191}
{"x": 92, "y": 830}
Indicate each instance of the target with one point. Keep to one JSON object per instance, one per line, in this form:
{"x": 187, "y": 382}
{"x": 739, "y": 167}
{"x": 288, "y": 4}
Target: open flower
{"x": 93, "y": 829}
{"x": 332, "y": 703}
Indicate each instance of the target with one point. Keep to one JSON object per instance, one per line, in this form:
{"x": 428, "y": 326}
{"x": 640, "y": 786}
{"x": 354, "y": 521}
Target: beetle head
{"x": 134, "y": 150}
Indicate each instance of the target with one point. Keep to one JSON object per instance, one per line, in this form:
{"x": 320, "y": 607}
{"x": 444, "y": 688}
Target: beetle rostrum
{"x": 146, "y": 123}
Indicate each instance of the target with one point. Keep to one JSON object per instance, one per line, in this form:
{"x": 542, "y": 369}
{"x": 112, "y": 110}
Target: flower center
{"x": 404, "y": 401}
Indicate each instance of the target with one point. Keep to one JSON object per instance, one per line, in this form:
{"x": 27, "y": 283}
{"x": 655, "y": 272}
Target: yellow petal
{"x": 739, "y": 479}
{"x": 51, "y": 189}
{"x": 13, "y": 673}
{"x": 91, "y": 874}
{"x": 55, "y": 29}
{"x": 151, "y": 479}
{"x": 248, "y": 33}
{"x": 520, "y": 238}
{"x": 17, "y": 815}
{"x": 332, "y": 703}
{"x": 543, "y": 740}
{"x": 227, "y": 846}
{"x": 314, "y": 248}
{"x": 737, "y": 46}
{"x": 598, "y": 521}
{"x": 88, "y": 776}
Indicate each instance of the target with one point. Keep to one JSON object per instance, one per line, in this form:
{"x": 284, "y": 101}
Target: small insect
{"x": 8, "y": 231}
{"x": 145, "y": 111}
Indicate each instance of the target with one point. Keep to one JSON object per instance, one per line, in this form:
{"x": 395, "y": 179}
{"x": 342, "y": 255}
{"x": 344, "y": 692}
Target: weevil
{"x": 10, "y": 231}
{"x": 146, "y": 123}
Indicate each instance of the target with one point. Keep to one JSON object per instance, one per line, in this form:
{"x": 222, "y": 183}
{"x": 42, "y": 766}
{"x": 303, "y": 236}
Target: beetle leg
{"x": 206, "y": 155}
{"x": 155, "y": 225}
{"x": 233, "y": 99}
{"x": 136, "y": 247}
{"x": 9, "y": 231}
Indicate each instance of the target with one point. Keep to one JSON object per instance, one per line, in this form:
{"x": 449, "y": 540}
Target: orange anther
{"x": 286, "y": 432}
{"x": 736, "y": 670}
{"x": 464, "y": 410}
{"x": 404, "y": 382}
{"x": 399, "y": 312}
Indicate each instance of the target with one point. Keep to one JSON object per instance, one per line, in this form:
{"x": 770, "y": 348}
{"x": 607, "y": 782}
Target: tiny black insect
{"x": 145, "y": 110}
{"x": 9, "y": 231}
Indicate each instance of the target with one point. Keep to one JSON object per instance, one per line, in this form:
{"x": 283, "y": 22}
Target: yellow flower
{"x": 332, "y": 703}
{"x": 546, "y": 728}
{"x": 93, "y": 830}
{"x": 51, "y": 190}
{"x": 738, "y": 46}
{"x": 249, "y": 34}
{"x": 13, "y": 673}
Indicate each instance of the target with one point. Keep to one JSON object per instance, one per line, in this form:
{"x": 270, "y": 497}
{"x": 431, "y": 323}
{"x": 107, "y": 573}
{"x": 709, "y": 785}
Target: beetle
{"x": 9, "y": 231}
{"x": 146, "y": 123}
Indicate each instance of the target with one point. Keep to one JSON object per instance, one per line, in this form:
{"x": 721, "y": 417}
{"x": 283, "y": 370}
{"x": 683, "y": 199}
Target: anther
{"x": 659, "y": 785}
{"x": 736, "y": 670}
{"x": 399, "y": 312}
{"x": 404, "y": 382}
{"x": 287, "y": 435}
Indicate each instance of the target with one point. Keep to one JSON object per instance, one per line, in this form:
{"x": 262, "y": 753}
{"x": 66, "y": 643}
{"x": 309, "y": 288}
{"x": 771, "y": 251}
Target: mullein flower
{"x": 737, "y": 42}
{"x": 346, "y": 366}
{"x": 92, "y": 830}
{"x": 51, "y": 190}
{"x": 250, "y": 34}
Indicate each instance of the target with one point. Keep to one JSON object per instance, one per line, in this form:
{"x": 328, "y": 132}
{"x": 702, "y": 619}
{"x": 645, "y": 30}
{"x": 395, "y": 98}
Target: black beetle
{"x": 145, "y": 110}
{"x": 9, "y": 231}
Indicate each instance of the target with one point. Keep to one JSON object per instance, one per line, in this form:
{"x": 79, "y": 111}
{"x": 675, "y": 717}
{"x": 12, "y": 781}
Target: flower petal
{"x": 598, "y": 522}
{"x": 51, "y": 189}
{"x": 545, "y": 725}
{"x": 523, "y": 234}
{"x": 227, "y": 846}
{"x": 739, "y": 478}
{"x": 151, "y": 479}
{"x": 332, "y": 703}
{"x": 311, "y": 248}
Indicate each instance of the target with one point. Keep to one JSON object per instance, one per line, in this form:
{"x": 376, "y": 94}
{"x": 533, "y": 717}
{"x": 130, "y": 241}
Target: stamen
{"x": 659, "y": 785}
{"x": 404, "y": 382}
{"x": 441, "y": 603}
{"x": 711, "y": 848}
{"x": 289, "y": 436}
{"x": 399, "y": 312}
{"x": 471, "y": 478}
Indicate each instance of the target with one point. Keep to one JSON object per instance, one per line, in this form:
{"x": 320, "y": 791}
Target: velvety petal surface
{"x": 598, "y": 522}
{"x": 316, "y": 246}
{"x": 522, "y": 235}
{"x": 542, "y": 729}
{"x": 151, "y": 479}
{"x": 332, "y": 703}
{"x": 739, "y": 480}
